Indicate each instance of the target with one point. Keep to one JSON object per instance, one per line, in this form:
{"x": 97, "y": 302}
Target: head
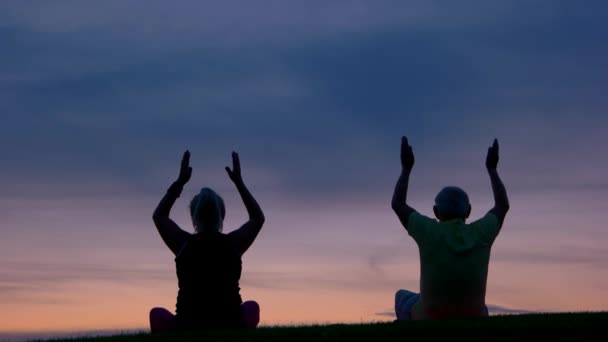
{"x": 207, "y": 211}
{"x": 452, "y": 203}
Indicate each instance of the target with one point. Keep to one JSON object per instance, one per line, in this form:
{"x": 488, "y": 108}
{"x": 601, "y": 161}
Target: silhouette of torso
{"x": 208, "y": 272}
{"x": 454, "y": 259}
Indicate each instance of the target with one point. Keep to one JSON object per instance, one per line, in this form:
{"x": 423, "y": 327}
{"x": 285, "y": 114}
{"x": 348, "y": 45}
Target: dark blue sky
{"x": 318, "y": 93}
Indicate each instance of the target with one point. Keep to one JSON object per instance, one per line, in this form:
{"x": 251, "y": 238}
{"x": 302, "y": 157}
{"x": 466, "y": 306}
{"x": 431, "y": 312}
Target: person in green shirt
{"x": 454, "y": 255}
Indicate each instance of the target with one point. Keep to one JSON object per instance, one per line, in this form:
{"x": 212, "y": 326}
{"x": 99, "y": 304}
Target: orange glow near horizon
{"x": 307, "y": 274}
{"x": 99, "y": 305}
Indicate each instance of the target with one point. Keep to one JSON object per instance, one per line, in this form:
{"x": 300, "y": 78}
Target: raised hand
{"x": 185, "y": 171}
{"x": 244, "y": 236}
{"x": 492, "y": 158}
{"x": 235, "y": 173}
{"x": 407, "y": 155}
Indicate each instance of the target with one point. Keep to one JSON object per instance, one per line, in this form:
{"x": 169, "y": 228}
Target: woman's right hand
{"x": 185, "y": 171}
{"x": 235, "y": 173}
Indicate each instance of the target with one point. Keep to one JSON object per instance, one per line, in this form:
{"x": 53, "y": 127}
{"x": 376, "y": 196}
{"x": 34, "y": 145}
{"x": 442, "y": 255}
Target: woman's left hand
{"x": 185, "y": 171}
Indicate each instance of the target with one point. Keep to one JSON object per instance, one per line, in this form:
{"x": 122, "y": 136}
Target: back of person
{"x": 454, "y": 258}
{"x": 208, "y": 263}
{"x": 208, "y": 273}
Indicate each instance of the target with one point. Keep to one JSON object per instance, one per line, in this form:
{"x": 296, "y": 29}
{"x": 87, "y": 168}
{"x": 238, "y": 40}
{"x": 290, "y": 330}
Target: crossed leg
{"x": 251, "y": 314}
{"x": 404, "y": 301}
{"x": 161, "y": 320}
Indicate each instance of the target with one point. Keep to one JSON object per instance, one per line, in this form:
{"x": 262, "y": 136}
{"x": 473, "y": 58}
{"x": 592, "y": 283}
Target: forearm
{"x": 253, "y": 208}
{"x": 166, "y": 203}
{"x": 500, "y": 192}
{"x": 400, "y": 194}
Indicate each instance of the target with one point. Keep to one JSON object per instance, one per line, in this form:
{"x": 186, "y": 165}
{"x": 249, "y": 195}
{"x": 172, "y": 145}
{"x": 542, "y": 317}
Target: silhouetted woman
{"x": 208, "y": 262}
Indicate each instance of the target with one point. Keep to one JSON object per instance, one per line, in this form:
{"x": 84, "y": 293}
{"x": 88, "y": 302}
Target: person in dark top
{"x": 208, "y": 262}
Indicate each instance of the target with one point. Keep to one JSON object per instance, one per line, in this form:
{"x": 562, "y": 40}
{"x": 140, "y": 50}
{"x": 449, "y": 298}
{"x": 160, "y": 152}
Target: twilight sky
{"x": 99, "y": 100}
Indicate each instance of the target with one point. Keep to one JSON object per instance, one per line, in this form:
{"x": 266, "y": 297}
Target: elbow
{"x": 503, "y": 207}
{"x": 395, "y": 205}
{"x": 156, "y": 216}
{"x": 260, "y": 219}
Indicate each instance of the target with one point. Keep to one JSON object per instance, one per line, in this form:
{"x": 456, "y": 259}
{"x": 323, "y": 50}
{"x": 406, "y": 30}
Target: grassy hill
{"x": 566, "y": 326}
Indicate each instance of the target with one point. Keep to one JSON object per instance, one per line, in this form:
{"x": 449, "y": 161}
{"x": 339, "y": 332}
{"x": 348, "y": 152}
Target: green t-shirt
{"x": 454, "y": 258}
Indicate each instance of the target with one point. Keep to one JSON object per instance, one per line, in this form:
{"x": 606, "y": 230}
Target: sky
{"x": 100, "y": 99}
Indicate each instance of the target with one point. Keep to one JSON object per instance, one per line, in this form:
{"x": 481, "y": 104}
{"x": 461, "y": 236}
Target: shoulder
{"x": 417, "y": 220}
{"x": 419, "y": 226}
{"x": 489, "y": 219}
{"x": 487, "y": 227}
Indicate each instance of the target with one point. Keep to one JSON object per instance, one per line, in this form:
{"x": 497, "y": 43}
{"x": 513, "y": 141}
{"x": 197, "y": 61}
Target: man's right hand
{"x": 407, "y": 155}
{"x": 492, "y": 158}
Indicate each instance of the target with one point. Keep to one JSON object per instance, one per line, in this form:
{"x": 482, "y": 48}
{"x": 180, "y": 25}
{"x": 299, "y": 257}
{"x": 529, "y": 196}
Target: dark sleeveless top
{"x": 208, "y": 273}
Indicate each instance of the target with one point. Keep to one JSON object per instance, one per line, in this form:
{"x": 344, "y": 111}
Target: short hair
{"x": 207, "y": 211}
{"x": 452, "y": 202}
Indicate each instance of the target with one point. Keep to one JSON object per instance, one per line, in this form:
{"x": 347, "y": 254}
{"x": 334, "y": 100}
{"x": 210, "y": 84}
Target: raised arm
{"x": 501, "y": 201}
{"x": 399, "y": 202}
{"x": 173, "y": 236}
{"x": 244, "y": 236}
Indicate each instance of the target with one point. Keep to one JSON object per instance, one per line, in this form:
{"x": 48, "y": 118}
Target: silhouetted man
{"x": 454, "y": 255}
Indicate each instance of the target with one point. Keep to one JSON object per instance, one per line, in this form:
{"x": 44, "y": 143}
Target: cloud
{"x": 33, "y": 272}
{"x": 43, "y": 283}
{"x": 387, "y": 313}
{"x": 298, "y": 280}
{"x": 500, "y": 310}
{"x": 237, "y": 21}
{"x": 596, "y": 257}
{"x": 493, "y": 310}
{"x": 333, "y": 98}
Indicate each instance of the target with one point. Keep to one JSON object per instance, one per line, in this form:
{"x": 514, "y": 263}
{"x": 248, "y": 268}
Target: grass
{"x": 571, "y": 326}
